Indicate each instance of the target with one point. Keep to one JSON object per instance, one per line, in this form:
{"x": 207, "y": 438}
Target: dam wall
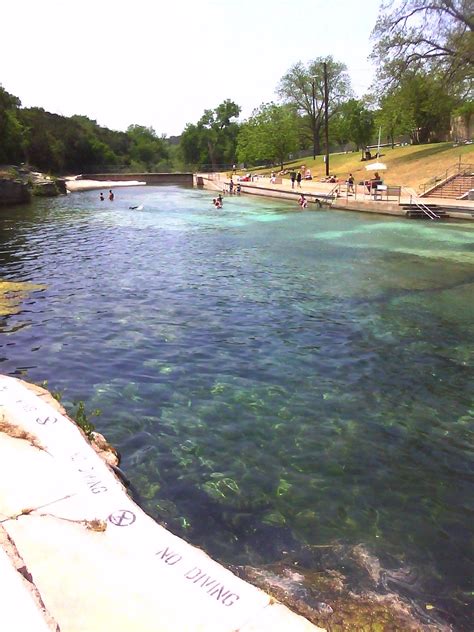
{"x": 148, "y": 178}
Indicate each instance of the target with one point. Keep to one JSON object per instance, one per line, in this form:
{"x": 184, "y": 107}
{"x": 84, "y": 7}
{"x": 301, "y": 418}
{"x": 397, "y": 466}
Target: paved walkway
{"x": 77, "y": 554}
{"x": 359, "y": 201}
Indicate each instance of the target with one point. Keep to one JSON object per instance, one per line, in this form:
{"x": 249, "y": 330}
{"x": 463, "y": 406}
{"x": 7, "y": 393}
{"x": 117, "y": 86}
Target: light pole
{"x": 326, "y": 117}
{"x": 313, "y": 92}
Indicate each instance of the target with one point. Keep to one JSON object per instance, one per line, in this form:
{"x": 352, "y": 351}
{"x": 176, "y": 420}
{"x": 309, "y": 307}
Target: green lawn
{"x": 409, "y": 166}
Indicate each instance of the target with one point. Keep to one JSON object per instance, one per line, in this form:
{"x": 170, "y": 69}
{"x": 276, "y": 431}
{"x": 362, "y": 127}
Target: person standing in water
{"x": 111, "y": 195}
{"x": 101, "y": 197}
{"x": 302, "y": 201}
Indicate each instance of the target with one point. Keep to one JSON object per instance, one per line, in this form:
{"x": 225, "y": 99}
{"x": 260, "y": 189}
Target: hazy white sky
{"x": 162, "y": 63}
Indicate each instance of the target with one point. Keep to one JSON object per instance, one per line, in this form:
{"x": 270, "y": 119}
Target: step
{"x": 412, "y": 214}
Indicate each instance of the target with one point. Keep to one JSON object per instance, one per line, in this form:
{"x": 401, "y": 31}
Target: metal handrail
{"x": 334, "y": 192}
{"x": 422, "y": 207}
{"x": 451, "y": 171}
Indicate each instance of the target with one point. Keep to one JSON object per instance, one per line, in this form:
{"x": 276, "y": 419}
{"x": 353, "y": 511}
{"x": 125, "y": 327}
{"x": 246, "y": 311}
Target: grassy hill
{"x": 409, "y": 166}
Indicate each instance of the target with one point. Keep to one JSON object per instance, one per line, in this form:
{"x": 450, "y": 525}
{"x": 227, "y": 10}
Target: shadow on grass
{"x": 423, "y": 153}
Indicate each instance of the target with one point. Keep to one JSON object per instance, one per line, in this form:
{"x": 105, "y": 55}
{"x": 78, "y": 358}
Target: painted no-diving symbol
{"x": 122, "y": 518}
{"x": 45, "y": 420}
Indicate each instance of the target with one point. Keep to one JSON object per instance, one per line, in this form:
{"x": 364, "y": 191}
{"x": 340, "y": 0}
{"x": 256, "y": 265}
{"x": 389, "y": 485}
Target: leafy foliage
{"x": 73, "y": 144}
{"x": 303, "y": 87}
{"x": 354, "y": 122}
{"x": 82, "y": 418}
{"x": 12, "y": 131}
{"x": 269, "y": 134}
{"x": 212, "y": 141}
{"x": 436, "y": 36}
{"x": 146, "y": 147}
{"x": 419, "y": 106}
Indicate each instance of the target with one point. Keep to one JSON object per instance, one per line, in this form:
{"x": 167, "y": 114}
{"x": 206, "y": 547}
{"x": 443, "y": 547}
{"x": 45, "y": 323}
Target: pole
{"x": 314, "y": 119}
{"x": 326, "y": 117}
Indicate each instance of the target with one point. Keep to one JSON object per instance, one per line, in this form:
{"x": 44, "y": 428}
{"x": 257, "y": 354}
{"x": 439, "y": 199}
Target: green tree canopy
{"x": 146, "y": 148}
{"x": 435, "y": 35}
{"x": 271, "y": 133}
{"x": 212, "y": 141}
{"x": 354, "y": 122}
{"x": 419, "y": 106}
{"x": 303, "y": 87}
{"x": 12, "y": 131}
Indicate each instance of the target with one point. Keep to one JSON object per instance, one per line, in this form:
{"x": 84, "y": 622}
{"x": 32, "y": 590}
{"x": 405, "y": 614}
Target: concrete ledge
{"x": 98, "y": 561}
{"x": 380, "y": 207}
{"x": 19, "y": 610}
{"x": 320, "y": 191}
{"x": 148, "y": 178}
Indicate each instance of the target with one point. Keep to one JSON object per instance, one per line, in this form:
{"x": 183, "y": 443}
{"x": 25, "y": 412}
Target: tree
{"x": 436, "y": 35}
{"x": 12, "y": 132}
{"x": 213, "y": 139}
{"x": 146, "y": 148}
{"x": 419, "y": 106}
{"x": 269, "y": 134}
{"x": 356, "y": 122}
{"x": 392, "y": 117}
{"x": 303, "y": 87}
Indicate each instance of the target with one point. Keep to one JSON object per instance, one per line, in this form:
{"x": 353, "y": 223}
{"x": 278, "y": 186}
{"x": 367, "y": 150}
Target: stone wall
{"x": 13, "y": 192}
{"x": 462, "y": 128}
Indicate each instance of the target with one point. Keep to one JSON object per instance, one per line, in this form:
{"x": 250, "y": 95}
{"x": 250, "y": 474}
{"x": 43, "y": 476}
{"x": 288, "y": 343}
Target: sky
{"x": 161, "y": 64}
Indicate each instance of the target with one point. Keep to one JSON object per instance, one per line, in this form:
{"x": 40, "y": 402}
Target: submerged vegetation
{"x": 77, "y": 411}
{"x": 13, "y": 293}
{"x": 83, "y": 418}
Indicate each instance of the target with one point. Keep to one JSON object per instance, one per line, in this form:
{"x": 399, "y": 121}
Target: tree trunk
{"x": 317, "y": 139}
{"x": 210, "y": 147}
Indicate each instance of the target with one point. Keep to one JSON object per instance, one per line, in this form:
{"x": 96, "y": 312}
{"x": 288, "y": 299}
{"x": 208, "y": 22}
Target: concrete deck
{"x": 93, "y": 560}
{"x": 360, "y": 201}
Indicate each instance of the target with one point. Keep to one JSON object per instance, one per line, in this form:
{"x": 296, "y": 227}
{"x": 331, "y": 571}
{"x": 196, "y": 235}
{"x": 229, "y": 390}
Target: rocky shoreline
{"x": 336, "y": 587}
{"x": 19, "y": 184}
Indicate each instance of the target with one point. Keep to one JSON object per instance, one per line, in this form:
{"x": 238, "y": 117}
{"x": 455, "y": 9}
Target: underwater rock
{"x": 346, "y": 591}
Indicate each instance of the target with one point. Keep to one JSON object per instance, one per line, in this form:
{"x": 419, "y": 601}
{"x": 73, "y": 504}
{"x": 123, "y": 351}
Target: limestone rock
{"x": 13, "y": 192}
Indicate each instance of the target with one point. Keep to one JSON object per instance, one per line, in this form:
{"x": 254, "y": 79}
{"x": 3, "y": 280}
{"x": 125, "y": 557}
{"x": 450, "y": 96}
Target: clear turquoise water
{"x": 271, "y": 377}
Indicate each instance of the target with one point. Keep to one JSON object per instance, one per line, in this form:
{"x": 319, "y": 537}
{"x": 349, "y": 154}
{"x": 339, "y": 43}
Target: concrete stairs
{"x": 453, "y": 187}
{"x": 413, "y": 211}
